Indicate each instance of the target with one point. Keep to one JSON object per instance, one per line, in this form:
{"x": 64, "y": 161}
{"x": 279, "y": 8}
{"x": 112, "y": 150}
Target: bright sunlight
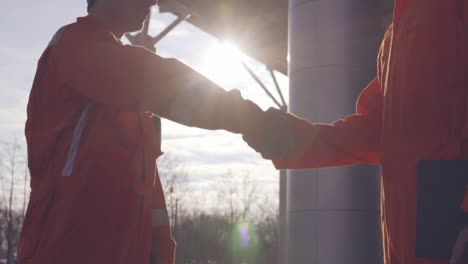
{"x": 223, "y": 63}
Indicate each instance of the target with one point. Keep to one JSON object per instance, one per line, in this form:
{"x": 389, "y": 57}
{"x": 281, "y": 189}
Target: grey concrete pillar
{"x": 332, "y": 214}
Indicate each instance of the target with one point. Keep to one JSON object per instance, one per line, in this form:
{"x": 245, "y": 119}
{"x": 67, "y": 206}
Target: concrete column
{"x": 333, "y": 214}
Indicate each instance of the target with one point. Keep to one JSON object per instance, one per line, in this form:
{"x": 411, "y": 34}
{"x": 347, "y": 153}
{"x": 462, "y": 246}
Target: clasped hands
{"x": 275, "y": 139}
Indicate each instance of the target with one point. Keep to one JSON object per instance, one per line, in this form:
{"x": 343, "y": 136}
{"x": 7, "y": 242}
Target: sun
{"x": 223, "y": 63}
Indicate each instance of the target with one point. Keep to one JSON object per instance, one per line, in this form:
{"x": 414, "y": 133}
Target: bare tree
{"x": 249, "y": 195}
{"x": 267, "y": 225}
{"x": 175, "y": 184}
{"x": 227, "y": 195}
{"x": 217, "y": 234}
{"x": 10, "y": 160}
{"x": 25, "y": 189}
{"x": 237, "y": 194}
{"x": 268, "y": 207}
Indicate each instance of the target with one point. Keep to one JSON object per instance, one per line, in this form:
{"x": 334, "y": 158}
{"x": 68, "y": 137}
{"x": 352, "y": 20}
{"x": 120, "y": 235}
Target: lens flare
{"x": 244, "y": 234}
{"x": 245, "y": 243}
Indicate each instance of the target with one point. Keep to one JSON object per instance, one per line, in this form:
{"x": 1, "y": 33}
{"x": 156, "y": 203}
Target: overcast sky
{"x": 28, "y": 25}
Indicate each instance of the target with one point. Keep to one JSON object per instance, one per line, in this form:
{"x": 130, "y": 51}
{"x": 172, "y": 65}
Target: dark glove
{"x": 274, "y": 139}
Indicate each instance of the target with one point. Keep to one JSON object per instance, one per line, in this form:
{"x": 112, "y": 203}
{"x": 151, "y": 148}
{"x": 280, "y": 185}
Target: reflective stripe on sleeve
{"x": 70, "y": 162}
{"x": 160, "y": 218}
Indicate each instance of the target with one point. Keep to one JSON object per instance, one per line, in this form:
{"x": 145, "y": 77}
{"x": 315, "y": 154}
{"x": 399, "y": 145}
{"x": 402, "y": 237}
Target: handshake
{"x": 273, "y": 137}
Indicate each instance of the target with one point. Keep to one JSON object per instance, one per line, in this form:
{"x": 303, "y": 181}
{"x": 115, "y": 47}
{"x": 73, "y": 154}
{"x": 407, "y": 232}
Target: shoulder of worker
{"x": 89, "y": 38}
{"x": 89, "y": 33}
{"x": 84, "y": 31}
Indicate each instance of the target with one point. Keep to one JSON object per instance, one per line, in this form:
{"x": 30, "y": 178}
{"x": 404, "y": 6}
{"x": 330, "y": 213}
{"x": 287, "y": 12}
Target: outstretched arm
{"x": 109, "y": 73}
{"x": 354, "y": 139}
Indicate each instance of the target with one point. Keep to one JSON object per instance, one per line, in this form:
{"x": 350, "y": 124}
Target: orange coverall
{"x": 415, "y": 109}
{"x": 92, "y": 145}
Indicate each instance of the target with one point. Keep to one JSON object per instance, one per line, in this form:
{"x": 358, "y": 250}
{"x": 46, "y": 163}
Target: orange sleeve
{"x": 354, "y": 139}
{"x": 107, "y": 72}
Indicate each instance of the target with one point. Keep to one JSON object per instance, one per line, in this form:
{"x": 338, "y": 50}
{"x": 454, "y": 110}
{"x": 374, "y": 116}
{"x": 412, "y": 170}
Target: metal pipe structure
{"x": 333, "y": 214}
{"x": 171, "y": 26}
{"x": 278, "y": 89}
{"x": 262, "y": 85}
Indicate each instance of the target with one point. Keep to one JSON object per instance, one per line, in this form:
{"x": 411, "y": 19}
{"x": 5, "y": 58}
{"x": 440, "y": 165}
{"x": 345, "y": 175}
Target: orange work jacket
{"x": 413, "y": 110}
{"x": 92, "y": 145}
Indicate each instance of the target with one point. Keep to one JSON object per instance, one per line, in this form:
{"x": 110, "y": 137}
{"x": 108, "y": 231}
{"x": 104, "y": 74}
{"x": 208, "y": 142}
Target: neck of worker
{"x": 110, "y": 20}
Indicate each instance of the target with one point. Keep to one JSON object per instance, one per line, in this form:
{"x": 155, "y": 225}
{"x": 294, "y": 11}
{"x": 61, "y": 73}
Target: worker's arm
{"x": 354, "y": 139}
{"x": 121, "y": 76}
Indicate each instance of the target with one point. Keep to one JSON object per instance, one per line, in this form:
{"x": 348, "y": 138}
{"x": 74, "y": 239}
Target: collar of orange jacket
{"x": 92, "y": 21}
{"x": 97, "y": 24}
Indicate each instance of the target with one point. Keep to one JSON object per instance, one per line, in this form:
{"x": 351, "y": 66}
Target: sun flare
{"x": 223, "y": 62}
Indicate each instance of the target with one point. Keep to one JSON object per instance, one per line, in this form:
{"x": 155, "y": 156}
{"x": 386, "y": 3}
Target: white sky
{"x": 26, "y": 26}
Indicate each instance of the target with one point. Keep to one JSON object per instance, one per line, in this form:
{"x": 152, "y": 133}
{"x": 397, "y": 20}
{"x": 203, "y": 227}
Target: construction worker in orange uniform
{"x": 95, "y": 193}
{"x": 415, "y": 109}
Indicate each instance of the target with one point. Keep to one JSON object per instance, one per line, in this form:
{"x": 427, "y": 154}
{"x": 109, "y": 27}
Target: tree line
{"x": 240, "y": 228}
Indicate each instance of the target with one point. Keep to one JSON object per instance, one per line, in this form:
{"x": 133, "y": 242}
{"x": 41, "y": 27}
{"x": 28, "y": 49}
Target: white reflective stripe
{"x": 68, "y": 168}
{"x": 160, "y": 218}
{"x": 188, "y": 101}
